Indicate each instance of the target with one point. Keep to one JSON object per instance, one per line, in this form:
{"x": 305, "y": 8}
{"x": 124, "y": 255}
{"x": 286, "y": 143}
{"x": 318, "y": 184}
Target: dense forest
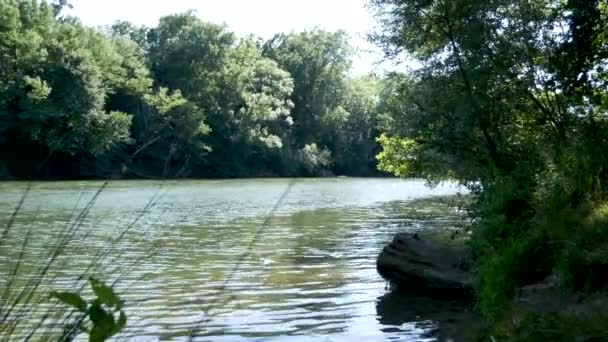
{"x": 186, "y": 98}
{"x": 511, "y": 99}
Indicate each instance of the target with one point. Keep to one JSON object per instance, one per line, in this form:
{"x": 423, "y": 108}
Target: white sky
{"x": 263, "y": 18}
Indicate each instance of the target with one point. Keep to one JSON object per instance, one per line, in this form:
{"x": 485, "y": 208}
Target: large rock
{"x": 425, "y": 267}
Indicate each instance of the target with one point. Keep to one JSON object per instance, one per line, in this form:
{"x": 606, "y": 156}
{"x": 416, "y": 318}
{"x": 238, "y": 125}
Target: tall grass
{"x": 26, "y": 310}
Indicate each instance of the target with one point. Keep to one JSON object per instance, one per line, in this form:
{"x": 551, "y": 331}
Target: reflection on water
{"x": 444, "y": 320}
{"x": 309, "y": 276}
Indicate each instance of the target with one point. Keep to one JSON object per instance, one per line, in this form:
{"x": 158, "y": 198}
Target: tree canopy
{"x": 510, "y": 100}
{"x": 185, "y": 98}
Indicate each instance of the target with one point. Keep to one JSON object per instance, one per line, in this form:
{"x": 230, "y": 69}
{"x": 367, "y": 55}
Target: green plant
{"x": 24, "y": 309}
{"x": 101, "y": 318}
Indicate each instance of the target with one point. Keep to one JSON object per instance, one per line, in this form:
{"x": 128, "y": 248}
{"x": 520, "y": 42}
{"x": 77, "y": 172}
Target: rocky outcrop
{"x": 424, "y": 267}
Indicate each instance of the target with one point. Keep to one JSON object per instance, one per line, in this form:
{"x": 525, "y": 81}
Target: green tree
{"x": 350, "y": 129}
{"x": 55, "y": 78}
{"x": 508, "y": 101}
{"x": 188, "y": 54}
{"x": 183, "y": 98}
{"x": 318, "y": 62}
{"x": 255, "y": 111}
{"x": 334, "y": 117}
{"x": 169, "y": 132}
{"x": 244, "y": 96}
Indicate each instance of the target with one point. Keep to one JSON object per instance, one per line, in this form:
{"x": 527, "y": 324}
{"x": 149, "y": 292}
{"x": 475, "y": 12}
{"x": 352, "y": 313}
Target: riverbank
{"x": 5, "y": 176}
{"x": 567, "y": 304}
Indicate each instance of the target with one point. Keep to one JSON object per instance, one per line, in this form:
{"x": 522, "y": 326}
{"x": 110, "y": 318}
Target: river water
{"x": 230, "y": 260}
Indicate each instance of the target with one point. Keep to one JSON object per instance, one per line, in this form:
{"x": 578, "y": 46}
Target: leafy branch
{"x": 105, "y": 315}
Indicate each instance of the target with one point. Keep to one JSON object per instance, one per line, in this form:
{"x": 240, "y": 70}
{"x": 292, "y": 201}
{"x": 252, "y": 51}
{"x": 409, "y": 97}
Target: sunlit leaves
{"x": 315, "y": 158}
{"x": 405, "y": 157}
{"x": 60, "y": 80}
{"x": 258, "y": 92}
{"x": 317, "y": 61}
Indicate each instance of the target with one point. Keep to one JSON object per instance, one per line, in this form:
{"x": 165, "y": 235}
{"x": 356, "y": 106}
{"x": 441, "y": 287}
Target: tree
{"x": 190, "y": 55}
{"x": 170, "y": 132}
{"x": 507, "y": 101}
{"x": 332, "y": 114}
{"x": 183, "y": 98}
{"x": 54, "y": 80}
{"x": 318, "y": 62}
{"x": 244, "y": 96}
{"x": 350, "y": 129}
{"x": 255, "y": 110}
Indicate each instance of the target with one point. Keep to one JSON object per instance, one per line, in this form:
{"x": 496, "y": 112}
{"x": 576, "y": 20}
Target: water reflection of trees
{"x": 302, "y": 273}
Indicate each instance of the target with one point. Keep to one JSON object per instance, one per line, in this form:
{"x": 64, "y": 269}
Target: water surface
{"x": 233, "y": 260}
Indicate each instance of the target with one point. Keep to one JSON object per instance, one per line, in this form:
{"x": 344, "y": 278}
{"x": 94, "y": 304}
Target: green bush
{"x": 497, "y": 279}
{"x": 571, "y": 242}
{"x": 583, "y": 264}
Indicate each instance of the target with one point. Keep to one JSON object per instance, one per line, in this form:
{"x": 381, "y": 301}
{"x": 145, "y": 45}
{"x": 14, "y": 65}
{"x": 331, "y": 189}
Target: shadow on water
{"x": 433, "y": 319}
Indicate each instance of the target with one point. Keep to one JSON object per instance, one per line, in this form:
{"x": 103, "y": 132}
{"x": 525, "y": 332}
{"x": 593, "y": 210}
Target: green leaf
{"x": 98, "y": 335}
{"x": 122, "y": 322}
{"x": 72, "y": 299}
{"x": 102, "y": 320}
{"x": 105, "y": 294}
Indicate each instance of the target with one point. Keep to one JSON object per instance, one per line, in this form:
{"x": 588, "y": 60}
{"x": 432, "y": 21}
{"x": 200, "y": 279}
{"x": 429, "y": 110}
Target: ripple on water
{"x": 309, "y": 275}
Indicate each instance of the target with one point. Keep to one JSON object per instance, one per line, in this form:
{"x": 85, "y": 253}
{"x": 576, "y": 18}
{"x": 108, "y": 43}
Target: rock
{"x": 545, "y": 296}
{"x": 420, "y": 266}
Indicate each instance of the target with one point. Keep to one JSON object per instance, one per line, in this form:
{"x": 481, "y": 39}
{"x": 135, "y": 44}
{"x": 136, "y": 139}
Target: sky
{"x": 263, "y": 18}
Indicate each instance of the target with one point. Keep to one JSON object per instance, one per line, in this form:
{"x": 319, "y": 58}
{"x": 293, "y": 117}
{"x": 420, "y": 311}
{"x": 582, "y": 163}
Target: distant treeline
{"x": 186, "y": 98}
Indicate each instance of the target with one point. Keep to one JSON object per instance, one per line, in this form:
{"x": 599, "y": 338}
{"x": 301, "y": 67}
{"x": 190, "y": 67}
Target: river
{"x": 232, "y": 260}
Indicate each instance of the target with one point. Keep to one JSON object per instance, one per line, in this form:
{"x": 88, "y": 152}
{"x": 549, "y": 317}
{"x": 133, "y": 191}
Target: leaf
{"x": 105, "y": 294}
{"x": 122, "y": 322}
{"x": 72, "y": 299}
{"x": 102, "y": 320}
{"x": 98, "y": 335}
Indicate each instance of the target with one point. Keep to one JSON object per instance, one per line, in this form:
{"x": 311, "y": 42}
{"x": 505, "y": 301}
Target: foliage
{"x": 318, "y": 62}
{"x": 183, "y": 98}
{"x": 405, "y": 157}
{"x": 105, "y": 315}
{"x": 52, "y": 96}
{"x": 169, "y": 128}
{"x": 314, "y": 159}
{"x": 510, "y": 100}
{"x": 256, "y": 117}
{"x": 350, "y": 129}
